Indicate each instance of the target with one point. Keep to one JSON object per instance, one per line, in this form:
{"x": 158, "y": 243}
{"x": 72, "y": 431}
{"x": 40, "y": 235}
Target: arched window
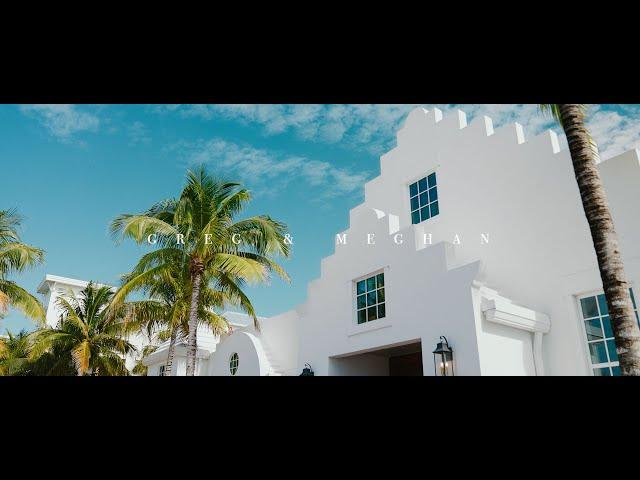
{"x": 234, "y": 361}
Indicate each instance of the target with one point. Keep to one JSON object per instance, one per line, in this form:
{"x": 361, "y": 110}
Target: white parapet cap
{"x": 50, "y": 280}
{"x": 504, "y": 312}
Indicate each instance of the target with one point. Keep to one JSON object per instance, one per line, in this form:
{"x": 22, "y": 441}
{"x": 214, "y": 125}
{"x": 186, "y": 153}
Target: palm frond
{"x": 17, "y": 257}
{"x": 13, "y": 295}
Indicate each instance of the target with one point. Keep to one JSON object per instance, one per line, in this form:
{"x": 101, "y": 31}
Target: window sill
{"x": 368, "y": 327}
{"x": 433, "y": 221}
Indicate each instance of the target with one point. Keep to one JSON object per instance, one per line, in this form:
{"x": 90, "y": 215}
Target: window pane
{"x": 594, "y": 329}
{"x": 589, "y": 307}
{"x": 413, "y": 189}
{"x": 616, "y": 371}
{"x": 432, "y": 179}
{"x": 362, "y": 316}
{"x": 371, "y": 298}
{"x": 598, "y": 353}
{"x": 611, "y": 346}
{"x": 424, "y": 214}
{"x": 415, "y": 205}
{"x": 422, "y": 185}
{"x": 362, "y": 301}
{"x": 372, "y": 314}
{"x": 371, "y": 284}
{"x": 435, "y": 209}
{"x": 433, "y": 194}
{"x": 415, "y": 217}
{"x": 381, "y": 295}
{"x": 602, "y": 302}
{"x": 361, "y": 287}
{"x": 380, "y": 278}
{"x": 381, "y": 311}
{"x": 424, "y": 199}
{"x": 602, "y": 372}
{"x": 606, "y": 323}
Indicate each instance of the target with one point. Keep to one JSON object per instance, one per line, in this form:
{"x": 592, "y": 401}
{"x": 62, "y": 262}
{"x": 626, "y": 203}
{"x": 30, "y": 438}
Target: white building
{"x": 468, "y": 233}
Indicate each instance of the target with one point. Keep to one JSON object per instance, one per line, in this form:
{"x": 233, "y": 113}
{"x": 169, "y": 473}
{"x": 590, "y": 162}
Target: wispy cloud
{"x": 372, "y": 127}
{"x": 269, "y": 171}
{"x": 367, "y": 127}
{"x": 138, "y": 133}
{"x": 63, "y": 121}
{"x": 615, "y": 132}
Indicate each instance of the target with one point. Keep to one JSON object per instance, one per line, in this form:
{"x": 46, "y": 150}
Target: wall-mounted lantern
{"x": 443, "y": 359}
{"x": 307, "y": 371}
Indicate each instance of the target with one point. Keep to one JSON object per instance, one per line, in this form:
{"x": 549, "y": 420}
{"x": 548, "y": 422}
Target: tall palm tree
{"x": 199, "y": 230}
{"x": 14, "y": 354}
{"x": 584, "y": 155}
{"x": 165, "y": 313}
{"x": 88, "y": 336}
{"x": 15, "y": 257}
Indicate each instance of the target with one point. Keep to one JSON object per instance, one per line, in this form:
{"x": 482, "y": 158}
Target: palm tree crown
{"x": 15, "y": 257}
{"x": 14, "y": 354}
{"x": 198, "y": 231}
{"x": 89, "y": 335}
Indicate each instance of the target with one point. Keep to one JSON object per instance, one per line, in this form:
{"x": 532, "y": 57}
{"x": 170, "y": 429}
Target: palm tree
{"x": 166, "y": 312}
{"x": 198, "y": 230}
{"x": 16, "y": 256}
{"x": 14, "y": 354}
{"x": 88, "y": 336}
{"x": 584, "y": 155}
{"x": 140, "y": 368}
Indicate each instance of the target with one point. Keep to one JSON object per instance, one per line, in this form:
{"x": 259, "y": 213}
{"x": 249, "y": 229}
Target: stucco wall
{"x": 523, "y": 194}
{"x": 252, "y": 361}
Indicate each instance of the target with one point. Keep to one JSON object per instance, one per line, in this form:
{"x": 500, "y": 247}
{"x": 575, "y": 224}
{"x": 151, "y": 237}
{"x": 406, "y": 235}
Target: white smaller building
{"x": 54, "y": 287}
{"x": 271, "y": 351}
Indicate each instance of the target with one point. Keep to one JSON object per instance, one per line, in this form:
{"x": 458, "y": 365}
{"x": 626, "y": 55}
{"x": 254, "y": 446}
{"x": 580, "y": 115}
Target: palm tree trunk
{"x": 605, "y": 239}
{"x": 171, "y": 353}
{"x": 192, "y": 345}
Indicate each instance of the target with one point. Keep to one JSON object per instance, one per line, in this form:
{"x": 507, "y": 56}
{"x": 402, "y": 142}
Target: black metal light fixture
{"x": 443, "y": 359}
{"x": 307, "y": 371}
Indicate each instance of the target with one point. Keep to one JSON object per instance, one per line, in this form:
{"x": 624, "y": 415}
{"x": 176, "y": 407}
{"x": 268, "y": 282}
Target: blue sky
{"x": 70, "y": 169}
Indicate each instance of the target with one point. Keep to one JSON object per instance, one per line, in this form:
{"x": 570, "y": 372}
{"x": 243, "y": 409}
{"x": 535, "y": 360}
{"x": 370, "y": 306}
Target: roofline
{"x": 48, "y": 279}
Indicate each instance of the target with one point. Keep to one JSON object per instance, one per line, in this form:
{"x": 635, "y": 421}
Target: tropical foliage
{"x": 198, "y": 231}
{"x": 14, "y": 354}
{"x": 15, "y": 257}
{"x": 89, "y": 339}
{"x": 165, "y": 313}
{"x": 584, "y": 156}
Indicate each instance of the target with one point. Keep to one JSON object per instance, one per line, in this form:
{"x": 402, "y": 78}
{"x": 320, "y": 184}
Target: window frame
{"x": 353, "y": 327}
{"x": 409, "y": 197}
{"x": 375, "y": 289}
{"x": 605, "y": 339}
{"x": 232, "y": 357}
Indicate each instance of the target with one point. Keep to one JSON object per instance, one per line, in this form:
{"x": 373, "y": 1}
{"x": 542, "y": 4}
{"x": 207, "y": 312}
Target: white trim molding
{"x": 502, "y": 311}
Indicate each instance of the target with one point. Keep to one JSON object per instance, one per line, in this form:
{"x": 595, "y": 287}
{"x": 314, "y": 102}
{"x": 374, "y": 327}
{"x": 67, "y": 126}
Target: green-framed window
{"x": 370, "y": 299}
{"x": 600, "y": 341}
{"x": 423, "y": 198}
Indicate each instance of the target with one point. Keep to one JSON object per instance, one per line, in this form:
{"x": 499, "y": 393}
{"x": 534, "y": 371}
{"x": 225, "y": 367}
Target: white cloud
{"x": 63, "y": 121}
{"x": 270, "y": 171}
{"x": 372, "y": 127}
{"x": 615, "y": 133}
{"x": 138, "y": 133}
{"x": 368, "y": 127}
